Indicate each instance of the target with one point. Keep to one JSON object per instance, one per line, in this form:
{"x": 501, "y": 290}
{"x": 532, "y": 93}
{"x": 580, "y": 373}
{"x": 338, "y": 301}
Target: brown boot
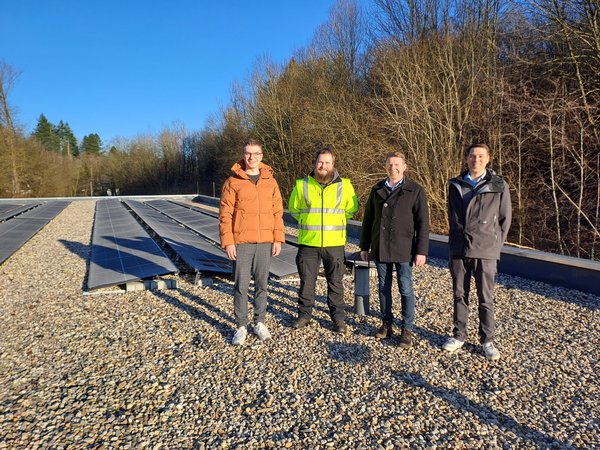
{"x": 405, "y": 339}
{"x": 384, "y": 331}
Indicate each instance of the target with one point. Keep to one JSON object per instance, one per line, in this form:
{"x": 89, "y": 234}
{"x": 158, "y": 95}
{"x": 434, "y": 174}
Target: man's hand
{"x": 231, "y": 252}
{"x": 276, "y": 248}
{"x": 420, "y": 260}
{"x": 364, "y": 255}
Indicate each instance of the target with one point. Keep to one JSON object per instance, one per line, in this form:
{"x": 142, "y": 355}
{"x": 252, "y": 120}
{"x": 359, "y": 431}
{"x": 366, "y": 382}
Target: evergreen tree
{"x": 91, "y": 144}
{"x": 45, "y": 133}
{"x": 67, "y": 140}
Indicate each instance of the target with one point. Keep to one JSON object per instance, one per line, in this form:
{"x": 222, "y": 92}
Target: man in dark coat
{"x": 395, "y": 234}
{"x": 479, "y": 215}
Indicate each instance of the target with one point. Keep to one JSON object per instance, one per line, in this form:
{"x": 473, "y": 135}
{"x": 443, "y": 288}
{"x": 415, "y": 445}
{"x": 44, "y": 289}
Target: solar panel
{"x": 17, "y": 231}
{"x": 5, "y": 207}
{"x": 46, "y": 211}
{"x": 13, "y": 234}
{"x": 207, "y": 224}
{"x": 201, "y": 223}
{"x": 195, "y": 251}
{"x": 12, "y": 209}
{"x": 122, "y": 251}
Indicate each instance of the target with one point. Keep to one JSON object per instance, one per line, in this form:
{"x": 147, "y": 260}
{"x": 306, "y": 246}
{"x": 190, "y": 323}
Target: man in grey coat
{"x": 395, "y": 234}
{"x": 479, "y": 215}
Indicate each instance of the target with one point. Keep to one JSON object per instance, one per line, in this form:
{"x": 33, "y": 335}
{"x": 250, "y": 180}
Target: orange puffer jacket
{"x": 250, "y": 213}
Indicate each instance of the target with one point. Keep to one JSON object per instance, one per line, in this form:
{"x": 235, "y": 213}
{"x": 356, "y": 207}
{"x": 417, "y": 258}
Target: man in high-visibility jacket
{"x": 321, "y": 203}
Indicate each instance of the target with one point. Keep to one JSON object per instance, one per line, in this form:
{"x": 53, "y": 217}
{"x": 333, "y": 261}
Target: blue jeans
{"x": 404, "y": 276}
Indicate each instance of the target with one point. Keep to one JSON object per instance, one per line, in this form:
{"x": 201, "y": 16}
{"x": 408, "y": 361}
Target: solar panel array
{"x": 9, "y": 210}
{"x": 194, "y": 250}
{"x": 19, "y": 229}
{"x": 194, "y": 219}
{"x": 207, "y": 224}
{"x": 122, "y": 251}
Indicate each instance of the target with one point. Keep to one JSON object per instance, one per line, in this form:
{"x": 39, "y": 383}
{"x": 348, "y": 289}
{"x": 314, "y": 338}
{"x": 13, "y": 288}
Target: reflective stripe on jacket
{"x": 322, "y": 212}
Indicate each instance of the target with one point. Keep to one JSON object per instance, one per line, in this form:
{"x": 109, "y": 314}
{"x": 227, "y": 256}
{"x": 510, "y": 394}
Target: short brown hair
{"x": 324, "y": 151}
{"x": 252, "y": 141}
{"x": 396, "y": 155}
{"x": 478, "y": 145}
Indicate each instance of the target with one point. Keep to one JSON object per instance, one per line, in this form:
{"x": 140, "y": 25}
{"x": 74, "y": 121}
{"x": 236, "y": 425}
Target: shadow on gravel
{"x": 349, "y": 353}
{"x": 513, "y": 284}
{"x": 84, "y": 252}
{"x": 483, "y": 412}
{"x": 221, "y": 326}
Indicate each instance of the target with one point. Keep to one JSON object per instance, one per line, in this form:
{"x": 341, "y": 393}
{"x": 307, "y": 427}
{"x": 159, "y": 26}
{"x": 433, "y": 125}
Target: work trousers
{"x": 484, "y": 272}
{"x": 385, "y": 274}
{"x": 253, "y": 260}
{"x": 308, "y": 261}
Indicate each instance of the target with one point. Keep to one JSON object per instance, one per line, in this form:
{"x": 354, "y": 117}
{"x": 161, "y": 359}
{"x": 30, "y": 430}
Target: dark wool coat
{"x": 395, "y": 226}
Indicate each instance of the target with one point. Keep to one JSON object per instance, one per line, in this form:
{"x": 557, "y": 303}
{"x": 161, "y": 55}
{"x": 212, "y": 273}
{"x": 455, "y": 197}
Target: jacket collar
{"x": 238, "y": 170}
{"x": 490, "y": 182}
{"x": 408, "y": 185}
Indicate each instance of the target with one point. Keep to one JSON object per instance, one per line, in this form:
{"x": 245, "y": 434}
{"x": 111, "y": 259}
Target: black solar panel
{"x": 12, "y": 209}
{"x": 195, "y": 251}
{"x": 13, "y": 234}
{"x": 207, "y": 224}
{"x": 122, "y": 251}
{"x": 5, "y": 207}
{"x": 46, "y": 211}
{"x": 201, "y": 223}
{"x": 17, "y": 231}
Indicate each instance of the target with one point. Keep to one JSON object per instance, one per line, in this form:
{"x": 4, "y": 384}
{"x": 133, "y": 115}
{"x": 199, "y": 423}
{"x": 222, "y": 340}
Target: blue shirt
{"x": 393, "y": 188}
{"x": 474, "y": 182}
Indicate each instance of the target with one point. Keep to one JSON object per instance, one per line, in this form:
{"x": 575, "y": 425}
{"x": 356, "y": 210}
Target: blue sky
{"x": 123, "y": 68}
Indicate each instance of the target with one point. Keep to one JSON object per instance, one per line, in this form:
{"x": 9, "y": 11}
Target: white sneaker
{"x": 490, "y": 350}
{"x": 453, "y": 344}
{"x": 261, "y": 330}
{"x": 240, "y": 336}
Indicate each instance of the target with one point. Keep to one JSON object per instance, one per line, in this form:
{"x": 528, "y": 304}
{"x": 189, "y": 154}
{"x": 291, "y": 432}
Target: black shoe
{"x": 405, "y": 339}
{"x": 301, "y": 322}
{"x": 340, "y": 326}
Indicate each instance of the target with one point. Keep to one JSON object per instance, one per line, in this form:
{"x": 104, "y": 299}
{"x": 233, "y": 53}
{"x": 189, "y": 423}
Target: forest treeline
{"x": 426, "y": 77}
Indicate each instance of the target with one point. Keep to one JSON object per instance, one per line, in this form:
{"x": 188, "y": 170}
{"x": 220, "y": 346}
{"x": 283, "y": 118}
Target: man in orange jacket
{"x": 251, "y": 231}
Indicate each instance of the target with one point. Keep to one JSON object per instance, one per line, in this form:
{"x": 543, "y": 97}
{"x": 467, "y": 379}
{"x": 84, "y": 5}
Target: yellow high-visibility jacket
{"x": 322, "y": 212}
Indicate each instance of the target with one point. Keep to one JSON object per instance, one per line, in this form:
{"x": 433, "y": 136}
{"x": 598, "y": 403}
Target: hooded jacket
{"x": 322, "y": 211}
{"x": 250, "y": 213}
{"x": 479, "y": 216}
{"x": 395, "y": 225}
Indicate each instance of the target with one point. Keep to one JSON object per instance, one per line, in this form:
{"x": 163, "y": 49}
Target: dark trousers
{"x": 484, "y": 272}
{"x": 308, "y": 260}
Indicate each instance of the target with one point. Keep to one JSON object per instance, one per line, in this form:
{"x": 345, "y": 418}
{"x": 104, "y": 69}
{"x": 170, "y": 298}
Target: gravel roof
{"x": 156, "y": 368}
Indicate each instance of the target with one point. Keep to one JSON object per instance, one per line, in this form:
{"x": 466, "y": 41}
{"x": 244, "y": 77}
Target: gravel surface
{"x": 157, "y": 370}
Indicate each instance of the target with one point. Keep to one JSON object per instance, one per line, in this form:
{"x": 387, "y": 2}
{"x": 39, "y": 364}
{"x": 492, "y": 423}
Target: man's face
{"x": 324, "y": 168}
{"x": 252, "y": 156}
{"x": 477, "y": 160}
{"x": 395, "y": 168}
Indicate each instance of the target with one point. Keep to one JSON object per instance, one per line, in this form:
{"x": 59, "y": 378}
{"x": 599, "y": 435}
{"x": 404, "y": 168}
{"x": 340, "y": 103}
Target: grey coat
{"x": 479, "y": 217}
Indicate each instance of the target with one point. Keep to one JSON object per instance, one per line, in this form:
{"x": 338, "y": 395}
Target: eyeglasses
{"x": 254, "y": 155}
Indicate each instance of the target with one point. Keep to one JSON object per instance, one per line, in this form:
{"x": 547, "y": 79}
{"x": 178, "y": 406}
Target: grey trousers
{"x": 484, "y": 272}
{"x": 253, "y": 260}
